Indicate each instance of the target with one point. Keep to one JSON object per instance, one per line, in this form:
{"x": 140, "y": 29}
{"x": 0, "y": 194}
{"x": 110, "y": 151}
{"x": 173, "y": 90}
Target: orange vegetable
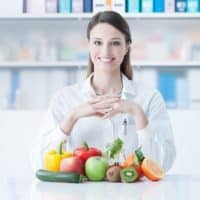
{"x": 130, "y": 160}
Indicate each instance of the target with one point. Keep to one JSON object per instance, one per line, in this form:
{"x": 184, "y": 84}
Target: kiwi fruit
{"x": 113, "y": 173}
{"x": 128, "y": 175}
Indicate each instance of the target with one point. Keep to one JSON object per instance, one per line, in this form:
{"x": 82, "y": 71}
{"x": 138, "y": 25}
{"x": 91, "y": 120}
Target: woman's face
{"x": 107, "y": 47}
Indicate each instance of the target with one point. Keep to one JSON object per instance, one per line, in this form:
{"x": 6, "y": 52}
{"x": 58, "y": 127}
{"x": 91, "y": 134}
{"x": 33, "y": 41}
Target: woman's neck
{"x": 106, "y": 83}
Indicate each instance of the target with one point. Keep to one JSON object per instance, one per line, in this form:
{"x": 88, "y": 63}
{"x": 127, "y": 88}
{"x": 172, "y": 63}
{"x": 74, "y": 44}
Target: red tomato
{"x": 139, "y": 171}
{"x": 86, "y": 152}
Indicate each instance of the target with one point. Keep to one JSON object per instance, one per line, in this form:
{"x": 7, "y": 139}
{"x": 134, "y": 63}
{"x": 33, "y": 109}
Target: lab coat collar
{"x": 128, "y": 87}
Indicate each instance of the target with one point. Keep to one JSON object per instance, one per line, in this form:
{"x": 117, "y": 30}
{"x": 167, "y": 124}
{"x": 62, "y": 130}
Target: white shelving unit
{"x": 56, "y": 25}
{"x": 67, "y": 64}
{"x": 81, "y": 16}
{"x": 65, "y": 18}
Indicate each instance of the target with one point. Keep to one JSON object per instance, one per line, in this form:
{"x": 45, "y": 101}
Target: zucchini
{"x": 50, "y": 176}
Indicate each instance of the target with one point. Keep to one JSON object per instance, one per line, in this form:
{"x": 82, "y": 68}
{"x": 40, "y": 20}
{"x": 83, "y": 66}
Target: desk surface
{"x": 172, "y": 187}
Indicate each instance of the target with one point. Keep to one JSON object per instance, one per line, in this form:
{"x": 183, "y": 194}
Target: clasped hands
{"x": 106, "y": 106}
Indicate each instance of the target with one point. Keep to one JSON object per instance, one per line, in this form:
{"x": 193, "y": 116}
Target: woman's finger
{"x": 94, "y": 100}
{"x": 109, "y": 114}
{"x": 104, "y": 111}
{"x": 105, "y": 104}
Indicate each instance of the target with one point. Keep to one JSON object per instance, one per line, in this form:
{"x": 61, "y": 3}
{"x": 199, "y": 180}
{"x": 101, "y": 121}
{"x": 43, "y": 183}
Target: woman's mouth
{"x": 106, "y": 60}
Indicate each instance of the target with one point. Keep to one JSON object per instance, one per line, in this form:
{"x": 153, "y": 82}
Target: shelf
{"x": 160, "y": 64}
{"x": 53, "y": 64}
{"x": 77, "y": 16}
{"x": 67, "y": 64}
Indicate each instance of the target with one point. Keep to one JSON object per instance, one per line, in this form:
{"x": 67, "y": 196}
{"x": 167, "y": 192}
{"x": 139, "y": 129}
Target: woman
{"x": 108, "y": 104}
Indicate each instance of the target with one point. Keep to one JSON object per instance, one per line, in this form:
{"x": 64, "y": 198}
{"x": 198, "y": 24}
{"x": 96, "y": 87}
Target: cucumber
{"x": 45, "y": 175}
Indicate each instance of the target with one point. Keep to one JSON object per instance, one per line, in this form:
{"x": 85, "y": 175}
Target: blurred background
{"x": 43, "y": 48}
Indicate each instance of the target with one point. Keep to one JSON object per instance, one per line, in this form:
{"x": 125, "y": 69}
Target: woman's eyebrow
{"x": 96, "y": 38}
{"x": 116, "y": 38}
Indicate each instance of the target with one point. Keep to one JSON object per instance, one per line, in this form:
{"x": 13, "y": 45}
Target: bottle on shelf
{"x": 147, "y": 6}
{"x": 180, "y": 5}
{"x": 133, "y": 6}
{"x": 87, "y": 6}
{"x": 77, "y": 6}
{"x": 193, "y": 5}
{"x": 51, "y": 6}
{"x": 65, "y": 6}
{"x": 169, "y": 6}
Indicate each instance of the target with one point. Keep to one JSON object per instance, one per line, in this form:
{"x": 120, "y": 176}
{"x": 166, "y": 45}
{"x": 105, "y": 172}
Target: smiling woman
{"x": 90, "y": 110}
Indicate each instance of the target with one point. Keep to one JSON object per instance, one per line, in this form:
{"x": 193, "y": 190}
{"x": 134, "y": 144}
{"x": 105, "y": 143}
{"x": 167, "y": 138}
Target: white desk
{"x": 172, "y": 187}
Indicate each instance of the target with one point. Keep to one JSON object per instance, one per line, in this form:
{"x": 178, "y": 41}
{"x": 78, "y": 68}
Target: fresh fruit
{"x": 45, "y": 175}
{"x": 132, "y": 161}
{"x": 72, "y": 164}
{"x": 152, "y": 170}
{"x": 113, "y": 173}
{"x": 86, "y": 152}
{"x": 128, "y": 174}
{"x": 96, "y": 167}
{"x": 53, "y": 158}
{"x": 139, "y": 171}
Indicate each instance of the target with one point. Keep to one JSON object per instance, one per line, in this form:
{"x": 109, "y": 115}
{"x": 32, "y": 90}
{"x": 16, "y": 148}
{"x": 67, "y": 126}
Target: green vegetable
{"x": 128, "y": 175}
{"x": 113, "y": 150}
{"x": 50, "y": 176}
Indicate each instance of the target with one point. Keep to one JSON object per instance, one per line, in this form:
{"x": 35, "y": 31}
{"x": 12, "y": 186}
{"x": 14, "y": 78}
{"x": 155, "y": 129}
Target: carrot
{"x": 130, "y": 160}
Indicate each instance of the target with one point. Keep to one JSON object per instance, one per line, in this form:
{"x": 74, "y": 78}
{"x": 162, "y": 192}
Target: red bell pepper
{"x": 86, "y": 152}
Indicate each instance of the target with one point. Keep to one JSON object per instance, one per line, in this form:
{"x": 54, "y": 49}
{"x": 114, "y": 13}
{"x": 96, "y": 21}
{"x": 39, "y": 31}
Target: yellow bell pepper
{"x": 53, "y": 158}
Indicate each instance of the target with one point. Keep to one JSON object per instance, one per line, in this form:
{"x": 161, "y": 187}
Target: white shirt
{"x": 156, "y": 138}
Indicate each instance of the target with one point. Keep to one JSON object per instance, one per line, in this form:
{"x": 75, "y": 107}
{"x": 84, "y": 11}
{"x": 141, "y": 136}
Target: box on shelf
{"x": 64, "y": 6}
{"x": 77, "y": 6}
{"x": 36, "y": 7}
{"x": 11, "y": 8}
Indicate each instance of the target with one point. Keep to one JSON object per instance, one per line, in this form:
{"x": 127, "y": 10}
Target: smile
{"x": 106, "y": 60}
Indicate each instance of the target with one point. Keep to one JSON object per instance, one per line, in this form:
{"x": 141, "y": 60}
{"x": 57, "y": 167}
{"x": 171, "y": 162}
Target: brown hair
{"x": 117, "y": 21}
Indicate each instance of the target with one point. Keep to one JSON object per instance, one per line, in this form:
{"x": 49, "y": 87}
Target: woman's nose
{"x": 106, "y": 49}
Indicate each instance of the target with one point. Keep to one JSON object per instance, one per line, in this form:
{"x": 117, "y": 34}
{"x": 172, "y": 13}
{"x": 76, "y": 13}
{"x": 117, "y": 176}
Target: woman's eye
{"x": 115, "y": 43}
{"x": 97, "y": 43}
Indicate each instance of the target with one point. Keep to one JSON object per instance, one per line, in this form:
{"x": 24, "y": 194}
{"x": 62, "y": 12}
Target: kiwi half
{"x": 128, "y": 175}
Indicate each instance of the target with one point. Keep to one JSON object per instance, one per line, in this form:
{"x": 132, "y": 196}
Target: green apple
{"x": 96, "y": 167}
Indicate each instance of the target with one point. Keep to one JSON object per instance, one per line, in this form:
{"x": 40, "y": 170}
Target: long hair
{"x": 117, "y": 21}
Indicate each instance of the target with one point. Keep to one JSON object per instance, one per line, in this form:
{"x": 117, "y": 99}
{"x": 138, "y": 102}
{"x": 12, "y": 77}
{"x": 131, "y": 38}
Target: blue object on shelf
{"x": 193, "y": 5}
{"x": 65, "y": 6}
{"x": 87, "y": 6}
{"x": 132, "y": 6}
{"x": 182, "y": 94}
{"x": 159, "y": 6}
{"x": 166, "y": 83}
{"x": 181, "y": 5}
{"x": 147, "y": 6}
{"x": 15, "y": 84}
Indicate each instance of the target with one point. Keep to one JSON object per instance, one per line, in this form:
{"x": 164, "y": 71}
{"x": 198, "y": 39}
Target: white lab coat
{"x": 156, "y": 139}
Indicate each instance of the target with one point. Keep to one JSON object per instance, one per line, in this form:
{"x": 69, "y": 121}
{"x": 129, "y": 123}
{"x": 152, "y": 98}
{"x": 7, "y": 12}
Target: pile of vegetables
{"x": 90, "y": 163}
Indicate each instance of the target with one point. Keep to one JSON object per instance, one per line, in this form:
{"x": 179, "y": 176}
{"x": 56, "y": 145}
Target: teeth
{"x": 106, "y": 59}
